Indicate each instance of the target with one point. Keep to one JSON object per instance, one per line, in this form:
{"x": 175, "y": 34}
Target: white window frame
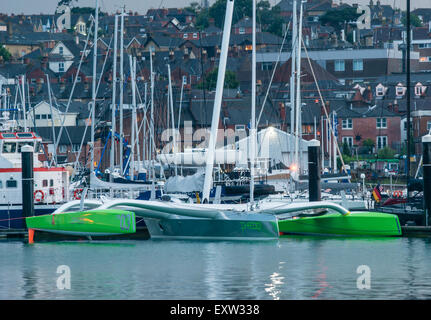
{"x": 240, "y": 127}
{"x": 338, "y": 63}
{"x": 62, "y": 148}
{"x": 241, "y": 30}
{"x": 355, "y": 66}
{"x": 347, "y": 124}
{"x": 381, "y": 123}
{"x": 428, "y": 126}
{"x": 348, "y": 140}
{"x": 61, "y": 67}
{"x": 380, "y": 140}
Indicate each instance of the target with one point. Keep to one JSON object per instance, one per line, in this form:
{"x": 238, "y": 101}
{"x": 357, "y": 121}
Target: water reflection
{"x": 290, "y": 268}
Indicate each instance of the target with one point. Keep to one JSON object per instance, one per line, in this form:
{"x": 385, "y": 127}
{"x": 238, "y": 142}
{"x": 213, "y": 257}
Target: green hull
{"x": 354, "y": 224}
{"x": 88, "y": 223}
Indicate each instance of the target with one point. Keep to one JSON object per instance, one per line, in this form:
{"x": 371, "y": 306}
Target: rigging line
{"x": 343, "y": 167}
{"x": 272, "y": 76}
{"x": 74, "y": 84}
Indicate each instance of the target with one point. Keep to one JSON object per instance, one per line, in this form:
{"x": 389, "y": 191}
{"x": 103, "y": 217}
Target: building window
{"x": 348, "y": 141}
{"x": 339, "y": 65}
{"x": 195, "y": 35}
{"x": 60, "y": 50}
{"x": 239, "y": 127}
{"x": 358, "y": 65}
{"x": 75, "y": 147}
{"x": 185, "y": 36}
{"x": 381, "y": 123}
{"x": 61, "y": 67}
{"x": 242, "y": 30}
{"x": 62, "y": 148}
{"x": 11, "y": 183}
{"x": 347, "y": 124}
{"x": 428, "y": 126}
{"x": 382, "y": 141}
{"x": 266, "y": 66}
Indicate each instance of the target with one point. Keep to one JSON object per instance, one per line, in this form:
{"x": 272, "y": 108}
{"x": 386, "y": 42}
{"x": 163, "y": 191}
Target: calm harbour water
{"x": 290, "y": 268}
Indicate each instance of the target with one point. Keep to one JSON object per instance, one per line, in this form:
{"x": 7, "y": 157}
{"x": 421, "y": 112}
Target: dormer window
{"x": 419, "y": 89}
{"x": 400, "y": 90}
{"x": 380, "y": 90}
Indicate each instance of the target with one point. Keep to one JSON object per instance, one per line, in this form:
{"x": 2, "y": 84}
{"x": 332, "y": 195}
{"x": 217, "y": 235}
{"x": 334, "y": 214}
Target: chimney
{"x": 9, "y": 28}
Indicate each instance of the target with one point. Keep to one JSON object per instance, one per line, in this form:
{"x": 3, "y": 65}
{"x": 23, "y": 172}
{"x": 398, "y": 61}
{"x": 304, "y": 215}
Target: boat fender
{"x": 397, "y": 194}
{"x": 41, "y": 198}
{"x": 77, "y": 194}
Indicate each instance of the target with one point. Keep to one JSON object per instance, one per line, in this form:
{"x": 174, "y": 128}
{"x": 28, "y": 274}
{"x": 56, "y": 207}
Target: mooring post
{"x": 426, "y": 149}
{"x": 314, "y": 170}
{"x": 27, "y": 181}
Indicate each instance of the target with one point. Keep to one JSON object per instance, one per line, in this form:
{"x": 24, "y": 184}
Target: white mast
{"x": 52, "y": 120}
{"x": 93, "y": 110}
{"x": 334, "y": 142}
{"x": 217, "y": 101}
{"x": 121, "y": 88}
{"x": 298, "y": 90}
{"x": 114, "y": 92}
{"x": 133, "y": 78}
{"x": 253, "y": 108}
{"x": 292, "y": 76}
{"x": 152, "y": 146}
{"x": 23, "y": 103}
{"x": 174, "y": 139}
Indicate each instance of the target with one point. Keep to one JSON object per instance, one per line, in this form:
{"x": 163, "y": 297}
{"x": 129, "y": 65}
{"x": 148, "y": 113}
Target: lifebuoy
{"x": 77, "y": 194}
{"x": 41, "y": 198}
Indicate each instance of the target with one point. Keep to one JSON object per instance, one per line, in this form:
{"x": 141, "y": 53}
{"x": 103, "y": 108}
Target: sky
{"x": 141, "y": 6}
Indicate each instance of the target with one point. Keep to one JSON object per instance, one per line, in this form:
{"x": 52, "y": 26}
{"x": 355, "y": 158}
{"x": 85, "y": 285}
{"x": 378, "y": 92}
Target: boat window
{"x": 9, "y": 147}
{"x": 44, "y": 183}
{"x": 8, "y": 135}
{"x": 37, "y": 148}
{"x": 11, "y": 183}
{"x": 24, "y": 135}
{"x": 21, "y": 144}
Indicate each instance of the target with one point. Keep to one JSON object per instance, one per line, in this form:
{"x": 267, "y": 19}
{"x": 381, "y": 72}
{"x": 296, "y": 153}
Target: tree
{"x": 414, "y": 20}
{"x": 5, "y": 54}
{"x": 210, "y": 81}
{"x": 369, "y": 144}
{"x": 386, "y": 153}
{"x": 268, "y": 18}
{"x": 337, "y": 18}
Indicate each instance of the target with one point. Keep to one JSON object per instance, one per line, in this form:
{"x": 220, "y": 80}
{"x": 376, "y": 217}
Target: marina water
{"x": 288, "y": 268}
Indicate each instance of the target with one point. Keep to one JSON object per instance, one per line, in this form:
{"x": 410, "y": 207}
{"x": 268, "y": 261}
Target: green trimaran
{"x": 85, "y": 223}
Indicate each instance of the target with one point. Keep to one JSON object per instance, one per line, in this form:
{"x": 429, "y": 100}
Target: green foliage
{"x": 210, "y": 81}
{"x": 414, "y": 20}
{"x": 5, "y": 54}
{"x": 386, "y": 153}
{"x": 346, "y": 149}
{"x": 269, "y": 18}
{"x": 337, "y": 18}
{"x": 368, "y": 143}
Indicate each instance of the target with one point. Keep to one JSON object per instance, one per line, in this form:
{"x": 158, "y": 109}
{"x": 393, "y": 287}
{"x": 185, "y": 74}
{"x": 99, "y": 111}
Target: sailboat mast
{"x": 23, "y": 103}
{"x": 93, "y": 110}
{"x": 133, "y": 78}
{"x": 114, "y": 92}
{"x": 217, "y": 102}
{"x": 298, "y": 90}
{"x": 292, "y": 76}
{"x": 253, "y": 108}
{"x": 174, "y": 149}
{"x": 121, "y": 87}
{"x": 152, "y": 146}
